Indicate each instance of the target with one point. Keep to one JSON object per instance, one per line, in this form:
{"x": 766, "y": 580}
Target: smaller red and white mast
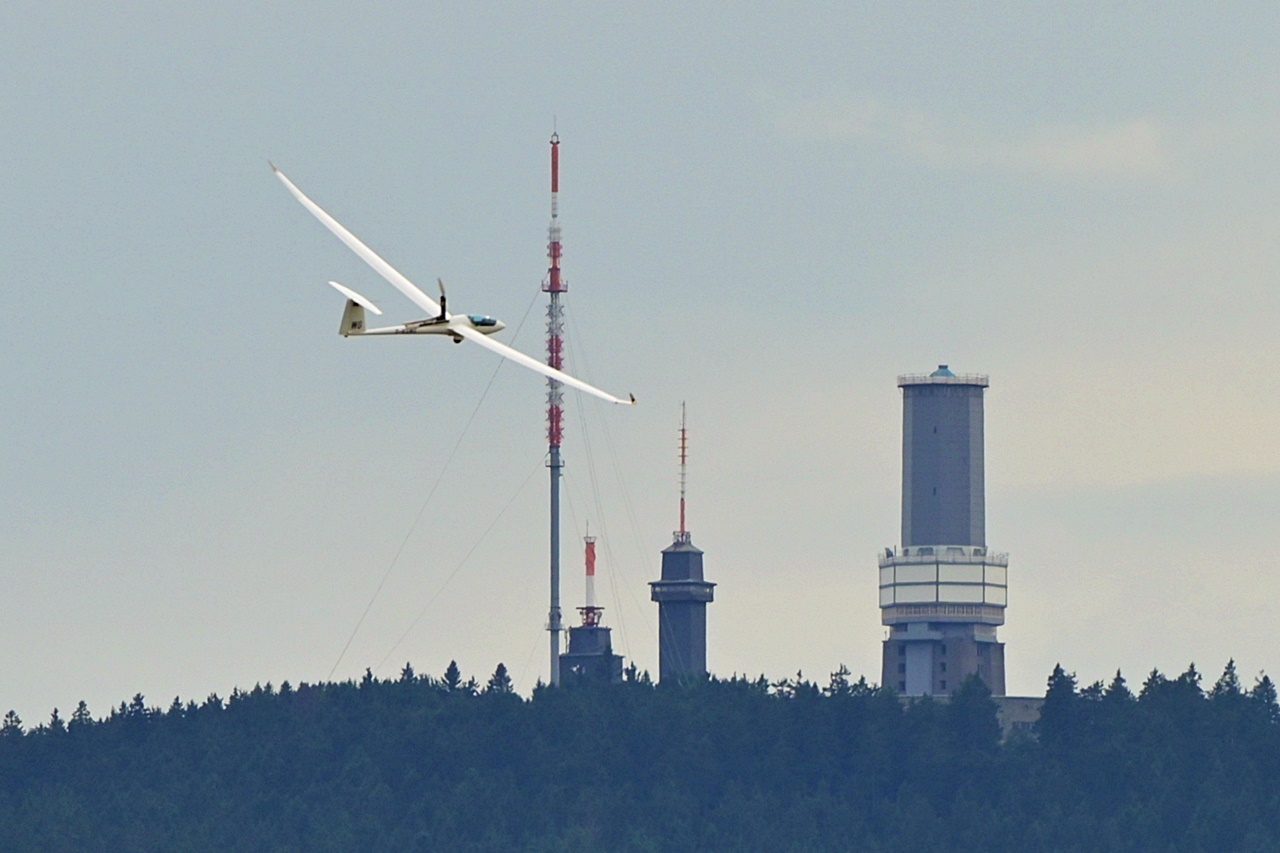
{"x": 590, "y": 613}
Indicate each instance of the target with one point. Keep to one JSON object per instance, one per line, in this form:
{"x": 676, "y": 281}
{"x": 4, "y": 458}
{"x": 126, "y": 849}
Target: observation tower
{"x": 682, "y": 595}
{"x": 942, "y": 593}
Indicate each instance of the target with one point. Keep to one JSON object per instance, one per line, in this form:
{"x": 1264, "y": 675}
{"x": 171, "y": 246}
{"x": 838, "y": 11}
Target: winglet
{"x": 633, "y": 398}
{"x": 274, "y": 167}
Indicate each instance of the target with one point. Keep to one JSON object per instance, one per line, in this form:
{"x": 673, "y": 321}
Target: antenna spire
{"x": 682, "y": 535}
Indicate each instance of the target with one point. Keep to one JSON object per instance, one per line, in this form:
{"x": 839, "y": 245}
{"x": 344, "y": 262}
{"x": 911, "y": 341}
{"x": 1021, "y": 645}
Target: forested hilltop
{"x": 423, "y": 763}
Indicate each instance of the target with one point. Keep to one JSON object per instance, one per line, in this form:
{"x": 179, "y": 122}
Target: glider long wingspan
{"x": 415, "y": 295}
{"x": 369, "y": 256}
{"x": 535, "y": 365}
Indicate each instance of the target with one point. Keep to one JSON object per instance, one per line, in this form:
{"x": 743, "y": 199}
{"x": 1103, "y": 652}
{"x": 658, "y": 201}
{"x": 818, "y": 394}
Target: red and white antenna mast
{"x": 554, "y": 286}
{"x": 683, "y": 535}
{"x": 555, "y": 313}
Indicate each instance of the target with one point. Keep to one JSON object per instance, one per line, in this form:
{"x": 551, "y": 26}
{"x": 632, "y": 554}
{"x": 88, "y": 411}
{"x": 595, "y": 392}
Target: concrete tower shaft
{"x": 942, "y": 593}
{"x": 682, "y": 595}
{"x": 943, "y": 497}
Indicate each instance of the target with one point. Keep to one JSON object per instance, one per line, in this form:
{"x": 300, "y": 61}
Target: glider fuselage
{"x": 483, "y": 324}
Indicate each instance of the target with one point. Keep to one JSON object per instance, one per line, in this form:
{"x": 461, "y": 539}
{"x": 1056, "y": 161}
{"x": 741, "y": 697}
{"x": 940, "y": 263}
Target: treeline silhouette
{"x": 427, "y": 763}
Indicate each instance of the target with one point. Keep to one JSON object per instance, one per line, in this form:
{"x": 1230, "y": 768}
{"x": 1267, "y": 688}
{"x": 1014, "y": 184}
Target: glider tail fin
{"x": 353, "y": 314}
{"x": 352, "y": 319}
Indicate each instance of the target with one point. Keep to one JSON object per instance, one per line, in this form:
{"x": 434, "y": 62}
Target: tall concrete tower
{"x": 682, "y": 595}
{"x": 942, "y": 593}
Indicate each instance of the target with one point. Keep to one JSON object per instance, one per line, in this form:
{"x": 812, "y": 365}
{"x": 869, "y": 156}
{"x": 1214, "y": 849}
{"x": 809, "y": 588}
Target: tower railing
{"x": 928, "y": 379}
{"x": 940, "y": 554}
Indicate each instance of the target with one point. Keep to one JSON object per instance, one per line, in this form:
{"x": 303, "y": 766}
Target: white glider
{"x": 459, "y": 327}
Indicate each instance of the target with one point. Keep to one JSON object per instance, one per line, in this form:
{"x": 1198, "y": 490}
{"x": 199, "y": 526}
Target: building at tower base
{"x": 942, "y": 592}
{"x": 590, "y": 656}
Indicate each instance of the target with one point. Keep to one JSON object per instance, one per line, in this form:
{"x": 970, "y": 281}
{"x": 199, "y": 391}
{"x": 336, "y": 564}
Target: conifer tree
{"x": 1059, "y": 716}
{"x": 80, "y": 717}
{"x": 1118, "y": 691}
{"x": 1228, "y": 686}
{"x": 452, "y": 677}
{"x": 971, "y": 716}
{"x": 499, "y": 682}
{"x": 1264, "y": 696}
{"x": 1191, "y": 679}
{"x": 12, "y": 725}
{"x": 839, "y": 684}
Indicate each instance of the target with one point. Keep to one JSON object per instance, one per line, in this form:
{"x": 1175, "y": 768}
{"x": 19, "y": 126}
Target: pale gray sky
{"x": 769, "y": 210}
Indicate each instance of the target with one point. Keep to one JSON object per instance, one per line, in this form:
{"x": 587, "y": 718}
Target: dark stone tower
{"x": 942, "y": 594}
{"x": 682, "y": 597}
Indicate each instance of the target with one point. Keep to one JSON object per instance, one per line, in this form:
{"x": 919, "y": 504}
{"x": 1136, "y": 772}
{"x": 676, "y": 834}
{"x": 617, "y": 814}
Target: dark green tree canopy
{"x": 419, "y": 763}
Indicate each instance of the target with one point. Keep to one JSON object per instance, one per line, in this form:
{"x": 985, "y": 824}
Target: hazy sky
{"x": 769, "y": 211}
